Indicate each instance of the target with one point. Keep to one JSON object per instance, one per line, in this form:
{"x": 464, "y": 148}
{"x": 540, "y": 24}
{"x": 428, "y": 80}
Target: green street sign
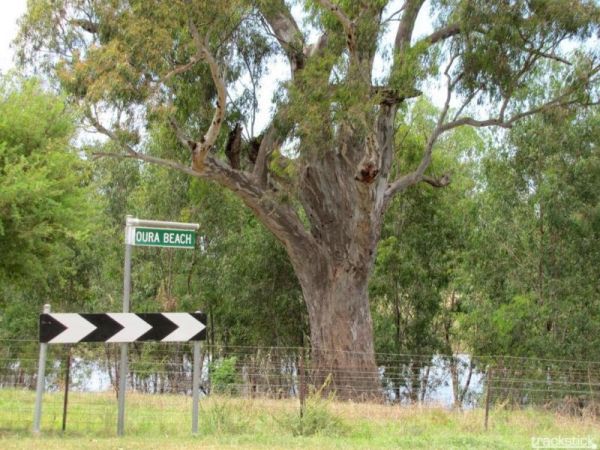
{"x": 161, "y": 237}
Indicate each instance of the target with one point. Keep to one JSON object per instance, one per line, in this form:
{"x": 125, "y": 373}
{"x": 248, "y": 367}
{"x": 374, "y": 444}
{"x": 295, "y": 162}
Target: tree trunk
{"x": 415, "y": 380}
{"x": 341, "y": 330}
{"x": 453, "y": 364}
{"x": 343, "y": 202}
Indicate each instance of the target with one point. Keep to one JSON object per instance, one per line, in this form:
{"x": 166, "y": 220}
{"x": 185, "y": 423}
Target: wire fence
{"x": 159, "y": 382}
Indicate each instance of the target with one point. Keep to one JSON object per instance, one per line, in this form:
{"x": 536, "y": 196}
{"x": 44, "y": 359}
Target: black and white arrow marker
{"x": 70, "y": 328}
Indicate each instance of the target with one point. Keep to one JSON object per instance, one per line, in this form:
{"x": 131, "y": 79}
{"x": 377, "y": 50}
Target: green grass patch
{"x": 164, "y": 422}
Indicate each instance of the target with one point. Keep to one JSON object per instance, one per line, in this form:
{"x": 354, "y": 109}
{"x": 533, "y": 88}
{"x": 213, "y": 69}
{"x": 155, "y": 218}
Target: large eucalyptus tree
{"x": 323, "y": 172}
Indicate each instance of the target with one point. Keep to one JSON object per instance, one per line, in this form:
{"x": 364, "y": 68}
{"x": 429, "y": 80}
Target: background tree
{"x": 136, "y": 64}
{"x": 424, "y": 236}
{"x": 531, "y": 288}
{"x": 48, "y": 214}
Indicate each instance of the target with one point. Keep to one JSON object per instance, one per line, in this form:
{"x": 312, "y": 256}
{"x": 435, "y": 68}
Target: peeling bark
{"x": 341, "y": 331}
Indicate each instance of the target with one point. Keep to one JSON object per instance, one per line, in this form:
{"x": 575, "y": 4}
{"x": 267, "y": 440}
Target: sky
{"x": 10, "y": 11}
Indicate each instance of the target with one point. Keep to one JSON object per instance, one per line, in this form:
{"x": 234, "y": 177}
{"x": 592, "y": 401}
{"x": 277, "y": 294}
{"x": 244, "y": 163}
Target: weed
{"x": 222, "y": 417}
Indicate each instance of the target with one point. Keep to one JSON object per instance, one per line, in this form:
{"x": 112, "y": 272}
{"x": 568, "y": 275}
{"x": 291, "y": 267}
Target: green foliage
{"x": 413, "y": 66}
{"x": 531, "y": 268}
{"x": 48, "y": 213}
{"x": 497, "y": 35}
{"x": 419, "y": 252}
{"x": 248, "y": 282}
{"x": 224, "y": 377}
{"x": 111, "y": 59}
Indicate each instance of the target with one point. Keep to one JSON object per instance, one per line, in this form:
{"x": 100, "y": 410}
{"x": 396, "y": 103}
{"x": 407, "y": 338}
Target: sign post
{"x": 66, "y": 398}
{"x": 196, "y": 383}
{"x": 149, "y": 233}
{"x": 195, "y": 386}
{"x": 39, "y": 391}
{"x": 123, "y": 369}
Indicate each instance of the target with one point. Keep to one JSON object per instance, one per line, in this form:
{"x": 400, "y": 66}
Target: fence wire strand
{"x": 163, "y": 373}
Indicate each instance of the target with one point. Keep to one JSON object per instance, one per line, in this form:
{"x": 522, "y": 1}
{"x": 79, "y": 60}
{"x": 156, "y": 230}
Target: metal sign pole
{"x": 195, "y": 386}
{"x": 123, "y": 370}
{"x": 39, "y": 392}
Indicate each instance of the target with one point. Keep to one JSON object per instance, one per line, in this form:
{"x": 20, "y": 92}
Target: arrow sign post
{"x": 40, "y": 382}
{"x": 73, "y": 328}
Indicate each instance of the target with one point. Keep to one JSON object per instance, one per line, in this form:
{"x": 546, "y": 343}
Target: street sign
{"x": 156, "y": 233}
{"x": 161, "y": 237}
{"x": 70, "y": 328}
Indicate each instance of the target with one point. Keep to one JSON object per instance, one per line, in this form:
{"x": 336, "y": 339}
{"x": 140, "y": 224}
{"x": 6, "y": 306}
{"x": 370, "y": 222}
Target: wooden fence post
{"x": 488, "y": 395}
{"x": 66, "y": 397}
{"x": 302, "y": 383}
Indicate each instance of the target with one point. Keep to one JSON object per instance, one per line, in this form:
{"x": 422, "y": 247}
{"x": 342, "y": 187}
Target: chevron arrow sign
{"x": 71, "y": 328}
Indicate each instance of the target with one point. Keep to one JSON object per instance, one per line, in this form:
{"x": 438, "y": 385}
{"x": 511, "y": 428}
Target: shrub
{"x": 223, "y": 376}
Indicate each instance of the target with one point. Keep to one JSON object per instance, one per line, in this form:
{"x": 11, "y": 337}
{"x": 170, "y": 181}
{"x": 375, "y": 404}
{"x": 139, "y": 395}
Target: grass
{"x": 163, "y": 422}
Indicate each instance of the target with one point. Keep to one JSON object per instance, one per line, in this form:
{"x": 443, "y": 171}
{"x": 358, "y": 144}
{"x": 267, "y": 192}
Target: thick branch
{"x": 412, "y": 178}
{"x": 348, "y": 25}
{"x": 385, "y": 136}
{"x": 443, "y": 33}
{"x": 281, "y": 219}
{"x": 273, "y": 138}
{"x": 560, "y": 101}
{"x": 211, "y": 135}
{"x": 267, "y": 145}
{"x": 407, "y": 24}
{"x": 416, "y": 176}
{"x": 287, "y": 32}
{"x": 437, "y": 182}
